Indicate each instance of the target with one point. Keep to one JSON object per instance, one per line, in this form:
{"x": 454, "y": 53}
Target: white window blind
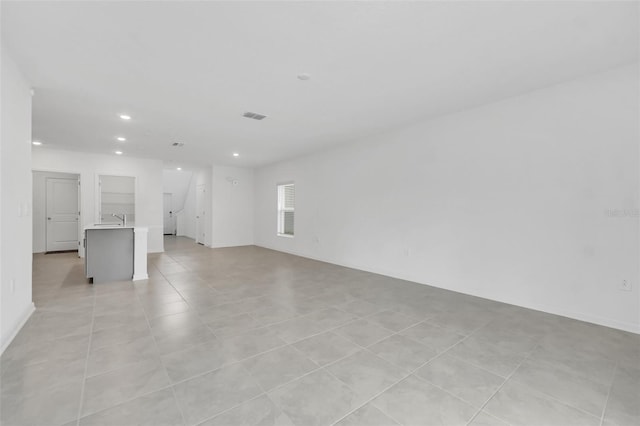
{"x": 286, "y": 209}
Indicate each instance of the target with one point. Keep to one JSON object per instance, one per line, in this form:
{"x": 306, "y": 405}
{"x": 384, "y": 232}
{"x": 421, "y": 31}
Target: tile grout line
{"x": 173, "y": 392}
{"x": 86, "y": 365}
{"x": 543, "y": 393}
{"x": 320, "y": 367}
{"x": 502, "y": 385}
{"x": 266, "y": 393}
{"x": 552, "y": 398}
{"x": 411, "y": 373}
{"x": 295, "y": 342}
{"x": 606, "y": 402}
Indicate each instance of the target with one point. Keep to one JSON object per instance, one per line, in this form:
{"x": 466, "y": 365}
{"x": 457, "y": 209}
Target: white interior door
{"x": 169, "y": 221}
{"x": 200, "y": 214}
{"x": 62, "y": 214}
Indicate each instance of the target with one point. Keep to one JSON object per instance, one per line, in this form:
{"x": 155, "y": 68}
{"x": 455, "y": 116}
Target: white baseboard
{"x": 580, "y": 316}
{"x": 6, "y": 340}
{"x": 140, "y": 277}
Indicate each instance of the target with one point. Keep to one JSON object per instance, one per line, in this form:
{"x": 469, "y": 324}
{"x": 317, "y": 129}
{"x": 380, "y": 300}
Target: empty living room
{"x": 319, "y": 213}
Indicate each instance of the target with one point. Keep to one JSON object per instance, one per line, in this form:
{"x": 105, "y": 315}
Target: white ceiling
{"x": 186, "y": 71}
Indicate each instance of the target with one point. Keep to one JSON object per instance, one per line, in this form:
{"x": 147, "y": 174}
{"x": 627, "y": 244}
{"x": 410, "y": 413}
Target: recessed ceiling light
{"x": 37, "y": 143}
{"x": 118, "y": 152}
{"x": 125, "y": 117}
{"x": 235, "y": 154}
{"x": 121, "y": 139}
{"x": 178, "y": 168}
{"x": 304, "y": 76}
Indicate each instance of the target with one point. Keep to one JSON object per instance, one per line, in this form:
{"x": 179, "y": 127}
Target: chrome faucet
{"x": 123, "y": 218}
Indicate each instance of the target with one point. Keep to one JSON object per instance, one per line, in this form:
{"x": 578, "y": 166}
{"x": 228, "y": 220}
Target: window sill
{"x": 285, "y": 235}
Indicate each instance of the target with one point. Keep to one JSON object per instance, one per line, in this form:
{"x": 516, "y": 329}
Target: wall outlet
{"x": 625, "y": 285}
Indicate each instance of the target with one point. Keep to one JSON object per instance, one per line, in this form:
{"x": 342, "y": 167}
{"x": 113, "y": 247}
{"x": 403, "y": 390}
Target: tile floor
{"x": 249, "y": 336}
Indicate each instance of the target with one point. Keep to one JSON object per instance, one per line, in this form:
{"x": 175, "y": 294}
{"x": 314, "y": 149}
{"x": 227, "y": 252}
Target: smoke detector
{"x": 178, "y": 144}
{"x": 254, "y": 115}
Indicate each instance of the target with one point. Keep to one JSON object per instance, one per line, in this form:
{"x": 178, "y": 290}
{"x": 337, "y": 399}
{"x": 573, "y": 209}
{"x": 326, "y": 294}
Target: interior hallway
{"x": 253, "y": 336}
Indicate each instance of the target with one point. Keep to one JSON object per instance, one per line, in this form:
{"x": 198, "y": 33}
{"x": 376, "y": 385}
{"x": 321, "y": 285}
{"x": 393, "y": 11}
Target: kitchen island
{"x": 115, "y": 253}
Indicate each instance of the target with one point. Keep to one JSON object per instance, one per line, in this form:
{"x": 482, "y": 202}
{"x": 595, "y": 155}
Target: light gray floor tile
{"x": 306, "y": 306}
{"x": 196, "y": 360}
{"x": 467, "y": 382}
{"x": 272, "y": 314}
{"x": 433, "y": 336}
{"x": 117, "y": 356}
{"x": 109, "y": 389}
{"x": 168, "y": 323}
{"x": 260, "y": 411}
{"x": 251, "y": 343}
{"x": 415, "y": 402}
{"x": 507, "y": 336}
{"x": 519, "y": 405}
{"x": 462, "y": 322}
{"x": 156, "y": 409}
{"x": 304, "y": 303}
{"x": 233, "y": 325}
{"x": 154, "y": 310}
{"x": 34, "y": 378}
{"x": 392, "y": 320}
{"x": 402, "y": 351}
{"x": 484, "y": 419}
{"x": 118, "y": 319}
{"x": 363, "y": 332}
{"x": 359, "y": 307}
{"x": 331, "y": 317}
{"x": 278, "y": 366}
{"x": 367, "y": 416}
{"x": 181, "y": 338}
{"x": 218, "y": 312}
{"x": 296, "y": 329}
{"x": 120, "y": 334}
{"x": 572, "y": 389}
{"x": 595, "y": 368}
{"x": 366, "y": 373}
{"x": 326, "y": 347}
{"x": 315, "y": 399}
{"x": 499, "y": 361}
{"x": 65, "y": 349}
{"x": 52, "y": 406}
{"x": 212, "y": 393}
{"x": 624, "y": 400}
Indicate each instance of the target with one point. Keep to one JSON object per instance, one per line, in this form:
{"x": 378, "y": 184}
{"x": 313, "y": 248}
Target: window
{"x": 286, "y": 209}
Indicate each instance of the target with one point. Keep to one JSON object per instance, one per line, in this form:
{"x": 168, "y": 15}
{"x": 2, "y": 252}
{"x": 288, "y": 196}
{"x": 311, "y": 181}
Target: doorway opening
{"x": 56, "y": 212}
{"x": 169, "y": 221}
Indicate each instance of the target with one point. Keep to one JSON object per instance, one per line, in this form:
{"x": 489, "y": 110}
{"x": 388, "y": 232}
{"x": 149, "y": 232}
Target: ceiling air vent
{"x": 254, "y": 115}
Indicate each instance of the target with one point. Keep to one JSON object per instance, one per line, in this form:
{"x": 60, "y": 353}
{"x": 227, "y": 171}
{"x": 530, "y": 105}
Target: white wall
{"x": 148, "y": 174}
{"x": 203, "y": 178}
{"x": 15, "y": 208}
{"x": 510, "y": 201}
{"x": 40, "y": 207}
{"x": 232, "y": 206}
